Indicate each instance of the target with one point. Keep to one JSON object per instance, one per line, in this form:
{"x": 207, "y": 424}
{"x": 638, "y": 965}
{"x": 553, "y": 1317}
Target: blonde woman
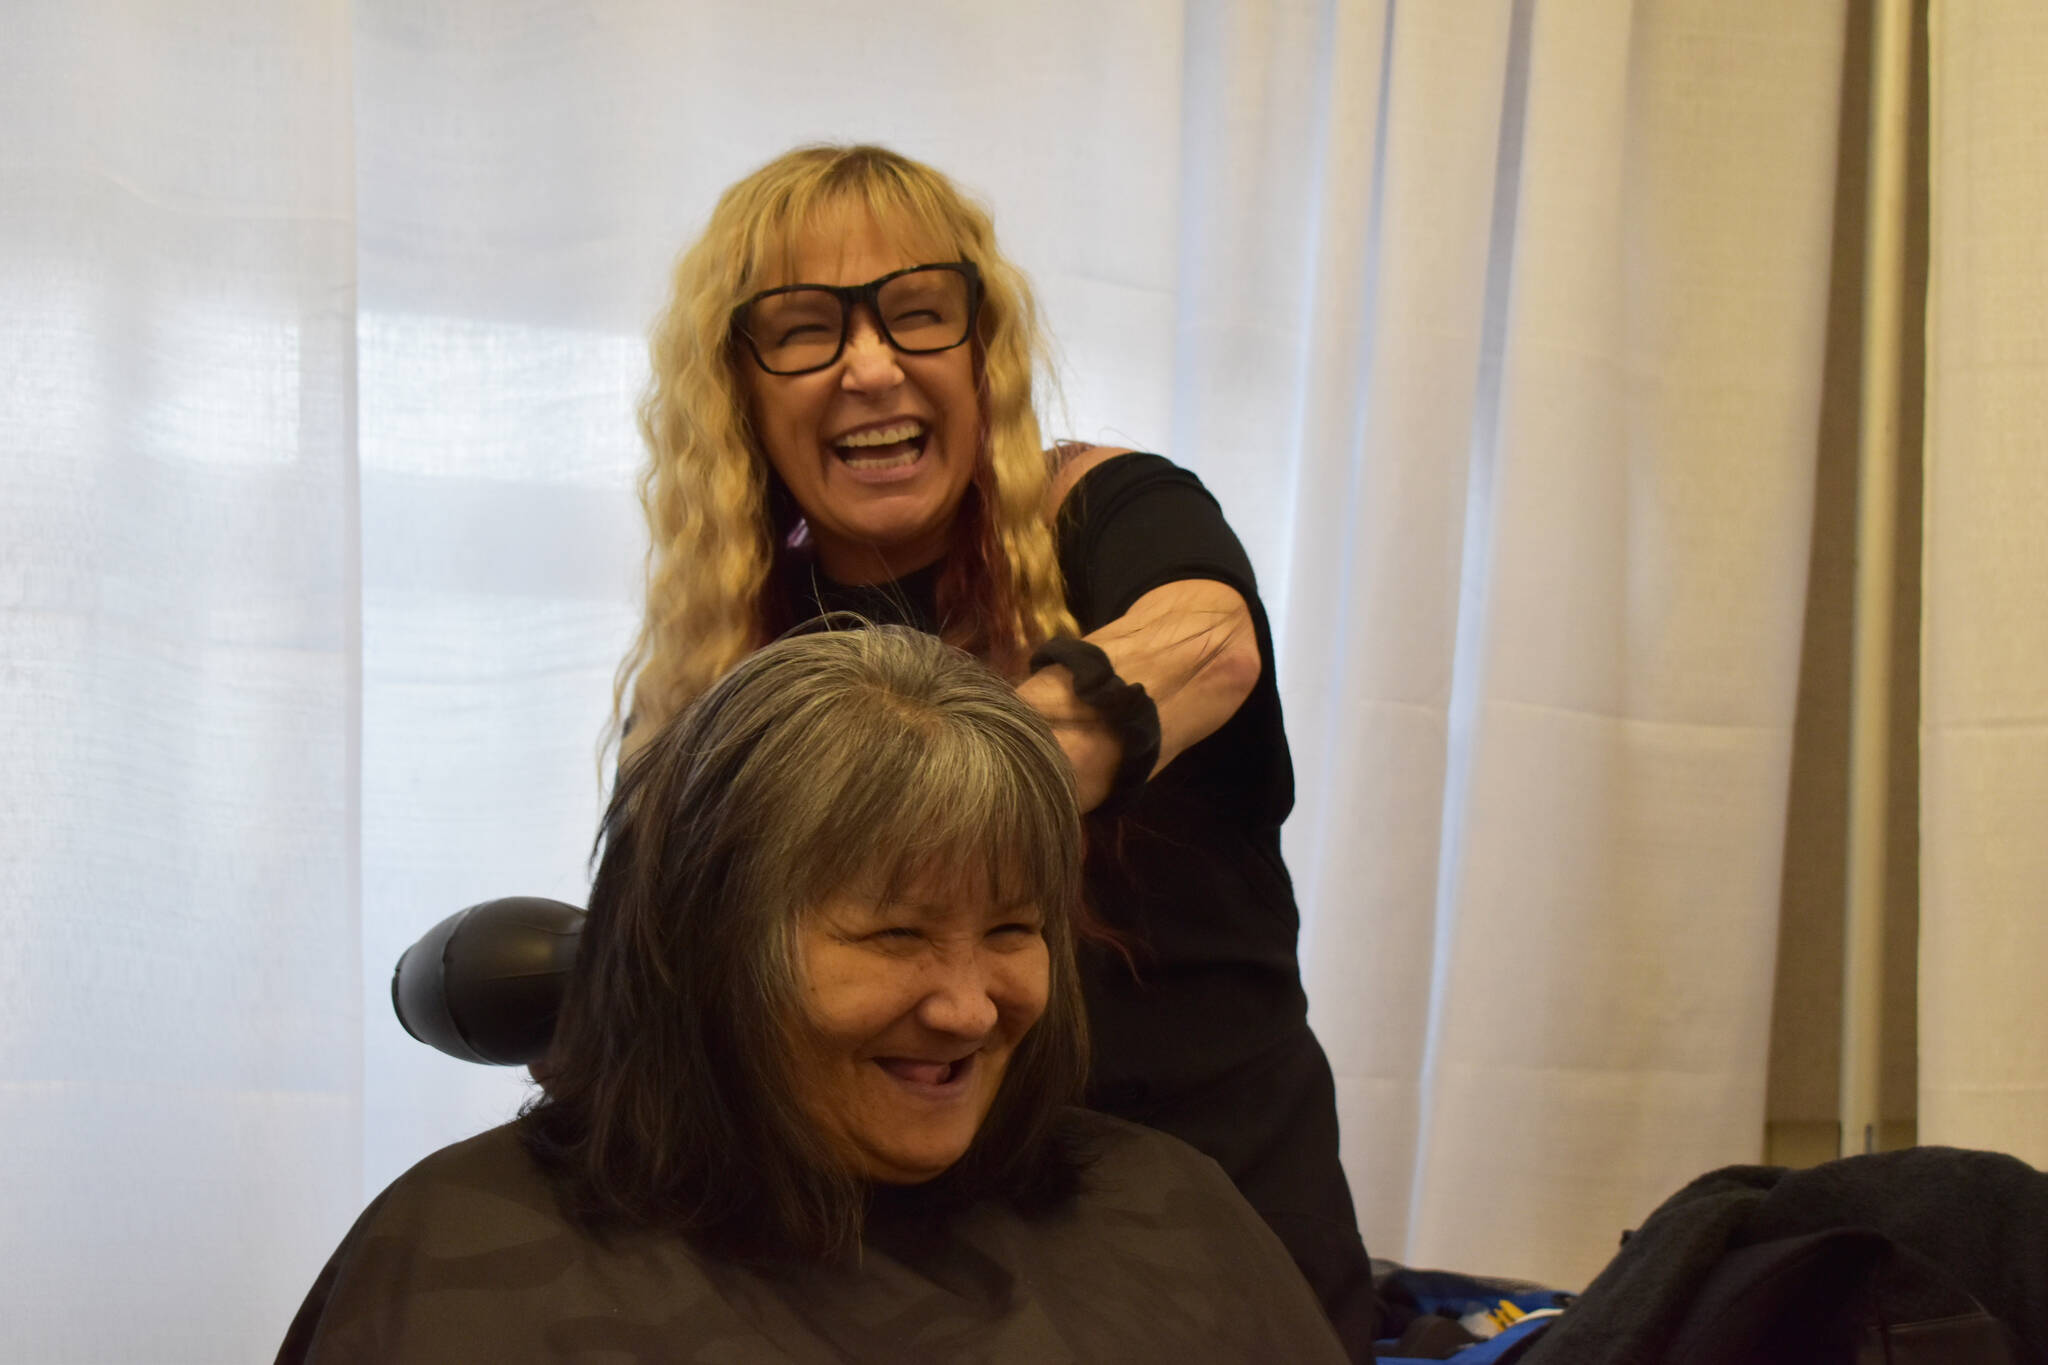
{"x": 841, "y": 418}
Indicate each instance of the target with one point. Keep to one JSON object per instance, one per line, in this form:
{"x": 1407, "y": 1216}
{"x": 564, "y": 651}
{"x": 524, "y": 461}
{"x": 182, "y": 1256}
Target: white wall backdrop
{"x": 1495, "y": 326}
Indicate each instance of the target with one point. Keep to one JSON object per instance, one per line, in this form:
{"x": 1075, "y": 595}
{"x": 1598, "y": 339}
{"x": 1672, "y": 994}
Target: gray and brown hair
{"x": 867, "y": 757}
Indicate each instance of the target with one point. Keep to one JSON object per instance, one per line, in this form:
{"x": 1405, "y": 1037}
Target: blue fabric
{"x": 1451, "y": 1295}
{"x": 1485, "y": 1352}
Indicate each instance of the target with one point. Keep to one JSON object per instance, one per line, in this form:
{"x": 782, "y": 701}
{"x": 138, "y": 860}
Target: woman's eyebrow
{"x": 926, "y": 907}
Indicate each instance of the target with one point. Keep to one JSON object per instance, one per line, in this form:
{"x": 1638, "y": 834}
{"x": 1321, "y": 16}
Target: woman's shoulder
{"x": 1107, "y": 1133}
{"x": 1074, "y": 464}
{"x": 470, "y": 1199}
{"x": 455, "y": 1210}
{"x": 1087, "y": 479}
{"x": 1129, "y": 1160}
{"x": 1073, "y": 461}
{"x": 469, "y": 1256}
{"x": 495, "y": 1159}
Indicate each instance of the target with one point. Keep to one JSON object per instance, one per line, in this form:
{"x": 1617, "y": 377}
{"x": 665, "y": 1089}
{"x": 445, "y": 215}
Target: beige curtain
{"x": 1962, "y": 1028}
{"x": 1804, "y": 1107}
{"x": 1984, "y": 724}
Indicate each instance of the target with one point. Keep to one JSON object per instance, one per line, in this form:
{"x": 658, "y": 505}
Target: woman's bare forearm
{"x": 1190, "y": 644}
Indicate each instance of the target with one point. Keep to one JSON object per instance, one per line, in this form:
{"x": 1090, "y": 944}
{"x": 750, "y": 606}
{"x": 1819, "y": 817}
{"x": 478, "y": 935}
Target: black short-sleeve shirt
{"x": 1190, "y": 875}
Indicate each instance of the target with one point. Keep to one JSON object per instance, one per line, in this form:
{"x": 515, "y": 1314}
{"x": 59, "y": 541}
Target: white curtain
{"x": 1984, "y": 640}
{"x": 180, "y": 1040}
{"x": 1495, "y": 326}
{"x": 1553, "y": 497}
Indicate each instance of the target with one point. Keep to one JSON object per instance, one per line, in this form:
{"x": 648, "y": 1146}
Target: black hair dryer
{"x": 486, "y": 983}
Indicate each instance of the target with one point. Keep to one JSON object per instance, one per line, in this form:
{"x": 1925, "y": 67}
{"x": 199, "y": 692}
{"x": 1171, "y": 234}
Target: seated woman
{"x": 809, "y": 1093}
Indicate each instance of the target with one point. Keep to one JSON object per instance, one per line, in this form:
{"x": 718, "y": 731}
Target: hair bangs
{"x": 976, "y": 833}
{"x": 925, "y": 802}
{"x": 816, "y": 206}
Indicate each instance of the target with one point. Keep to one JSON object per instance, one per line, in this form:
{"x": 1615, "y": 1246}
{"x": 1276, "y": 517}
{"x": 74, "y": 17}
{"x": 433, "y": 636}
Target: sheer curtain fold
{"x": 1637, "y": 669}
{"x": 1984, "y": 649}
{"x": 1550, "y": 674}
{"x": 1375, "y": 569}
{"x": 180, "y": 1041}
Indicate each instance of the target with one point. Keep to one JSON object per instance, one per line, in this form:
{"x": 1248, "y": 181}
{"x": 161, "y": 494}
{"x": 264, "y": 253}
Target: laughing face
{"x": 914, "y": 1008}
{"x": 878, "y": 447}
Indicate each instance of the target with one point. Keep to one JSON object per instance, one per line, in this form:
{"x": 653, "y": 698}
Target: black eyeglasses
{"x": 803, "y": 327}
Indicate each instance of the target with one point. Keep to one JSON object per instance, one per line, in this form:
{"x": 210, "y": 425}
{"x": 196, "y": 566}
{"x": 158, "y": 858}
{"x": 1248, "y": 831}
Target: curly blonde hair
{"x": 719, "y": 523}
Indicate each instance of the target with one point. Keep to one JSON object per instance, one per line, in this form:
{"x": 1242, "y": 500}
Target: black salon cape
{"x": 467, "y": 1257}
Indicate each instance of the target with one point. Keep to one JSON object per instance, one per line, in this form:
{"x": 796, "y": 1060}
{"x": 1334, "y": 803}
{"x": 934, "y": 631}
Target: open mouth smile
{"x": 883, "y": 446}
{"x": 936, "y": 1080}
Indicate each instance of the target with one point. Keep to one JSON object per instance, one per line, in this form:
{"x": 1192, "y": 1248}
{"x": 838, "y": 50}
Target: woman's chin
{"x": 906, "y": 1180}
{"x": 873, "y": 550}
{"x": 911, "y": 1165}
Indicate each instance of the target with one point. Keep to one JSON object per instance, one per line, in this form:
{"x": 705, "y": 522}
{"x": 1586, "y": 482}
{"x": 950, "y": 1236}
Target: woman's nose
{"x": 870, "y": 360}
{"x": 961, "y": 1000}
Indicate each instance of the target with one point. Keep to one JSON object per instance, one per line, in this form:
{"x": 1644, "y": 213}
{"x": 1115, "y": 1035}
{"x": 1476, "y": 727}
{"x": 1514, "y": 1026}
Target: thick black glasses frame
{"x": 852, "y": 296}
